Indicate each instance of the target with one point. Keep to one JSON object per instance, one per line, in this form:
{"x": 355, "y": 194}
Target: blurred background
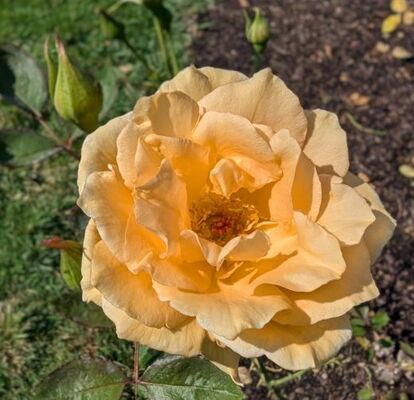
{"x": 351, "y": 57}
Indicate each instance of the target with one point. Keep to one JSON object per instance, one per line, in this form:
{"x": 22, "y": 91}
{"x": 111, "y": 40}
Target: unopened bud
{"x": 76, "y": 97}
{"x": 51, "y": 69}
{"x": 257, "y": 31}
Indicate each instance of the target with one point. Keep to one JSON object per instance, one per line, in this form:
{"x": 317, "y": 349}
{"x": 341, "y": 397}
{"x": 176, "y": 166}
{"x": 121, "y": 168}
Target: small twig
{"x": 264, "y": 376}
{"x": 136, "y": 368}
{"x": 362, "y": 128}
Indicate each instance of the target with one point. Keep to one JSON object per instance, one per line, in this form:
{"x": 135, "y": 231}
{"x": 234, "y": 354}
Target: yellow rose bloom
{"x": 224, "y": 222}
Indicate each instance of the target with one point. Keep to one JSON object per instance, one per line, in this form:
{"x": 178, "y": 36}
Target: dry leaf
{"x": 408, "y": 17}
{"x": 406, "y": 170}
{"x": 382, "y": 47}
{"x": 398, "y": 6}
{"x": 401, "y": 53}
{"x": 244, "y": 376}
{"x": 357, "y": 99}
{"x": 390, "y": 24}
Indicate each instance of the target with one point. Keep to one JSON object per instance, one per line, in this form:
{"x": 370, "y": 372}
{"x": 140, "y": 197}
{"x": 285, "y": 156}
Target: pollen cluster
{"x": 216, "y": 218}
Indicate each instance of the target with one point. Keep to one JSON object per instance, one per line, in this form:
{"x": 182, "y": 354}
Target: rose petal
{"x": 345, "y": 213}
{"x": 230, "y": 135}
{"x": 294, "y": 347}
{"x": 170, "y": 114}
{"x": 219, "y": 77}
{"x": 109, "y": 203}
{"x": 161, "y": 206}
{"x": 262, "y": 99}
{"x": 326, "y": 143}
{"x": 89, "y": 293}
{"x": 380, "y": 231}
{"x": 99, "y": 148}
{"x": 186, "y": 340}
{"x": 318, "y": 260}
{"x": 336, "y": 298}
{"x": 131, "y": 293}
{"x": 227, "y": 310}
{"x": 137, "y": 161}
{"x": 190, "y": 81}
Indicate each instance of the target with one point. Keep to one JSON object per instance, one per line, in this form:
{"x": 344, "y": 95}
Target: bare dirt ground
{"x": 332, "y": 54}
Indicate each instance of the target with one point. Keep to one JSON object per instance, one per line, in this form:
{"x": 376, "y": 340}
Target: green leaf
{"x": 85, "y": 378}
{"x": 386, "y": 342}
{"x": 70, "y": 264}
{"x": 21, "y": 79}
{"x": 365, "y": 394}
{"x": 187, "y": 379}
{"x": 147, "y": 356}
{"x": 87, "y": 314}
{"x": 24, "y": 147}
{"x": 357, "y": 322}
{"x": 380, "y": 320}
{"x": 358, "y": 330}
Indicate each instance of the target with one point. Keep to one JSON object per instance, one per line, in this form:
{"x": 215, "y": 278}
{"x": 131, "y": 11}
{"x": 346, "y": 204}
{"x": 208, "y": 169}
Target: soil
{"x": 332, "y": 55}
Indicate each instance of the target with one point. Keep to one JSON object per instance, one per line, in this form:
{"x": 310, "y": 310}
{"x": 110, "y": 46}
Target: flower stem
{"x": 290, "y": 377}
{"x": 135, "y": 376}
{"x": 171, "y": 52}
{"x": 161, "y": 42}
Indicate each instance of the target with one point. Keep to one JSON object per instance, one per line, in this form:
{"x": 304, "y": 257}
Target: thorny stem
{"x": 135, "y": 376}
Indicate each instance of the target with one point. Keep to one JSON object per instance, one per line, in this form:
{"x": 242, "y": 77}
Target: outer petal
{"x": 99, "y": 148}
{"x": 228, "y": 309}
{"x": 344, "y": 212}
{"x": 186, "y": 341}
{"x": 170, "y": 114}
{"x": 336, "y": 298}
{"x": 161, "y": 206}
{"x": 318, "y": 260}
{"x": 190, "y": 81}
{"x": 379, "y": 232}
{"x": 109, "y": 203}
{"x": 89, "y": 293}
{"x": 197, "y": 83}
{"x": 219, "y": 77}
{"x": 326, "y": 143}
{"x": 263, "y": 99}
{"x": 131, "y": 293}
{"x": 294, "y": 347}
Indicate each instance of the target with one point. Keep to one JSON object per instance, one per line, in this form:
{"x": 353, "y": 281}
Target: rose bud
{"x": 257, "y": 31}
{"x": 75, "y": 96}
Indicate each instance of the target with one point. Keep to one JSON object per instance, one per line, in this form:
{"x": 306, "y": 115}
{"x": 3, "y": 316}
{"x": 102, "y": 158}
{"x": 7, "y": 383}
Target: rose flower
{"x": 224, "y": 222}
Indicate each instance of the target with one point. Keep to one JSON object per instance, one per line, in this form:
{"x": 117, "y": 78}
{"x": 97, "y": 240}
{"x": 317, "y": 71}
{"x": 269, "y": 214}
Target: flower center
{"x": 216, "y": 218}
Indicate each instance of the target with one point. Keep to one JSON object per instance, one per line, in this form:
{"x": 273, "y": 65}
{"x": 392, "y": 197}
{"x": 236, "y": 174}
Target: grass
{"x": 38, "y": 201}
